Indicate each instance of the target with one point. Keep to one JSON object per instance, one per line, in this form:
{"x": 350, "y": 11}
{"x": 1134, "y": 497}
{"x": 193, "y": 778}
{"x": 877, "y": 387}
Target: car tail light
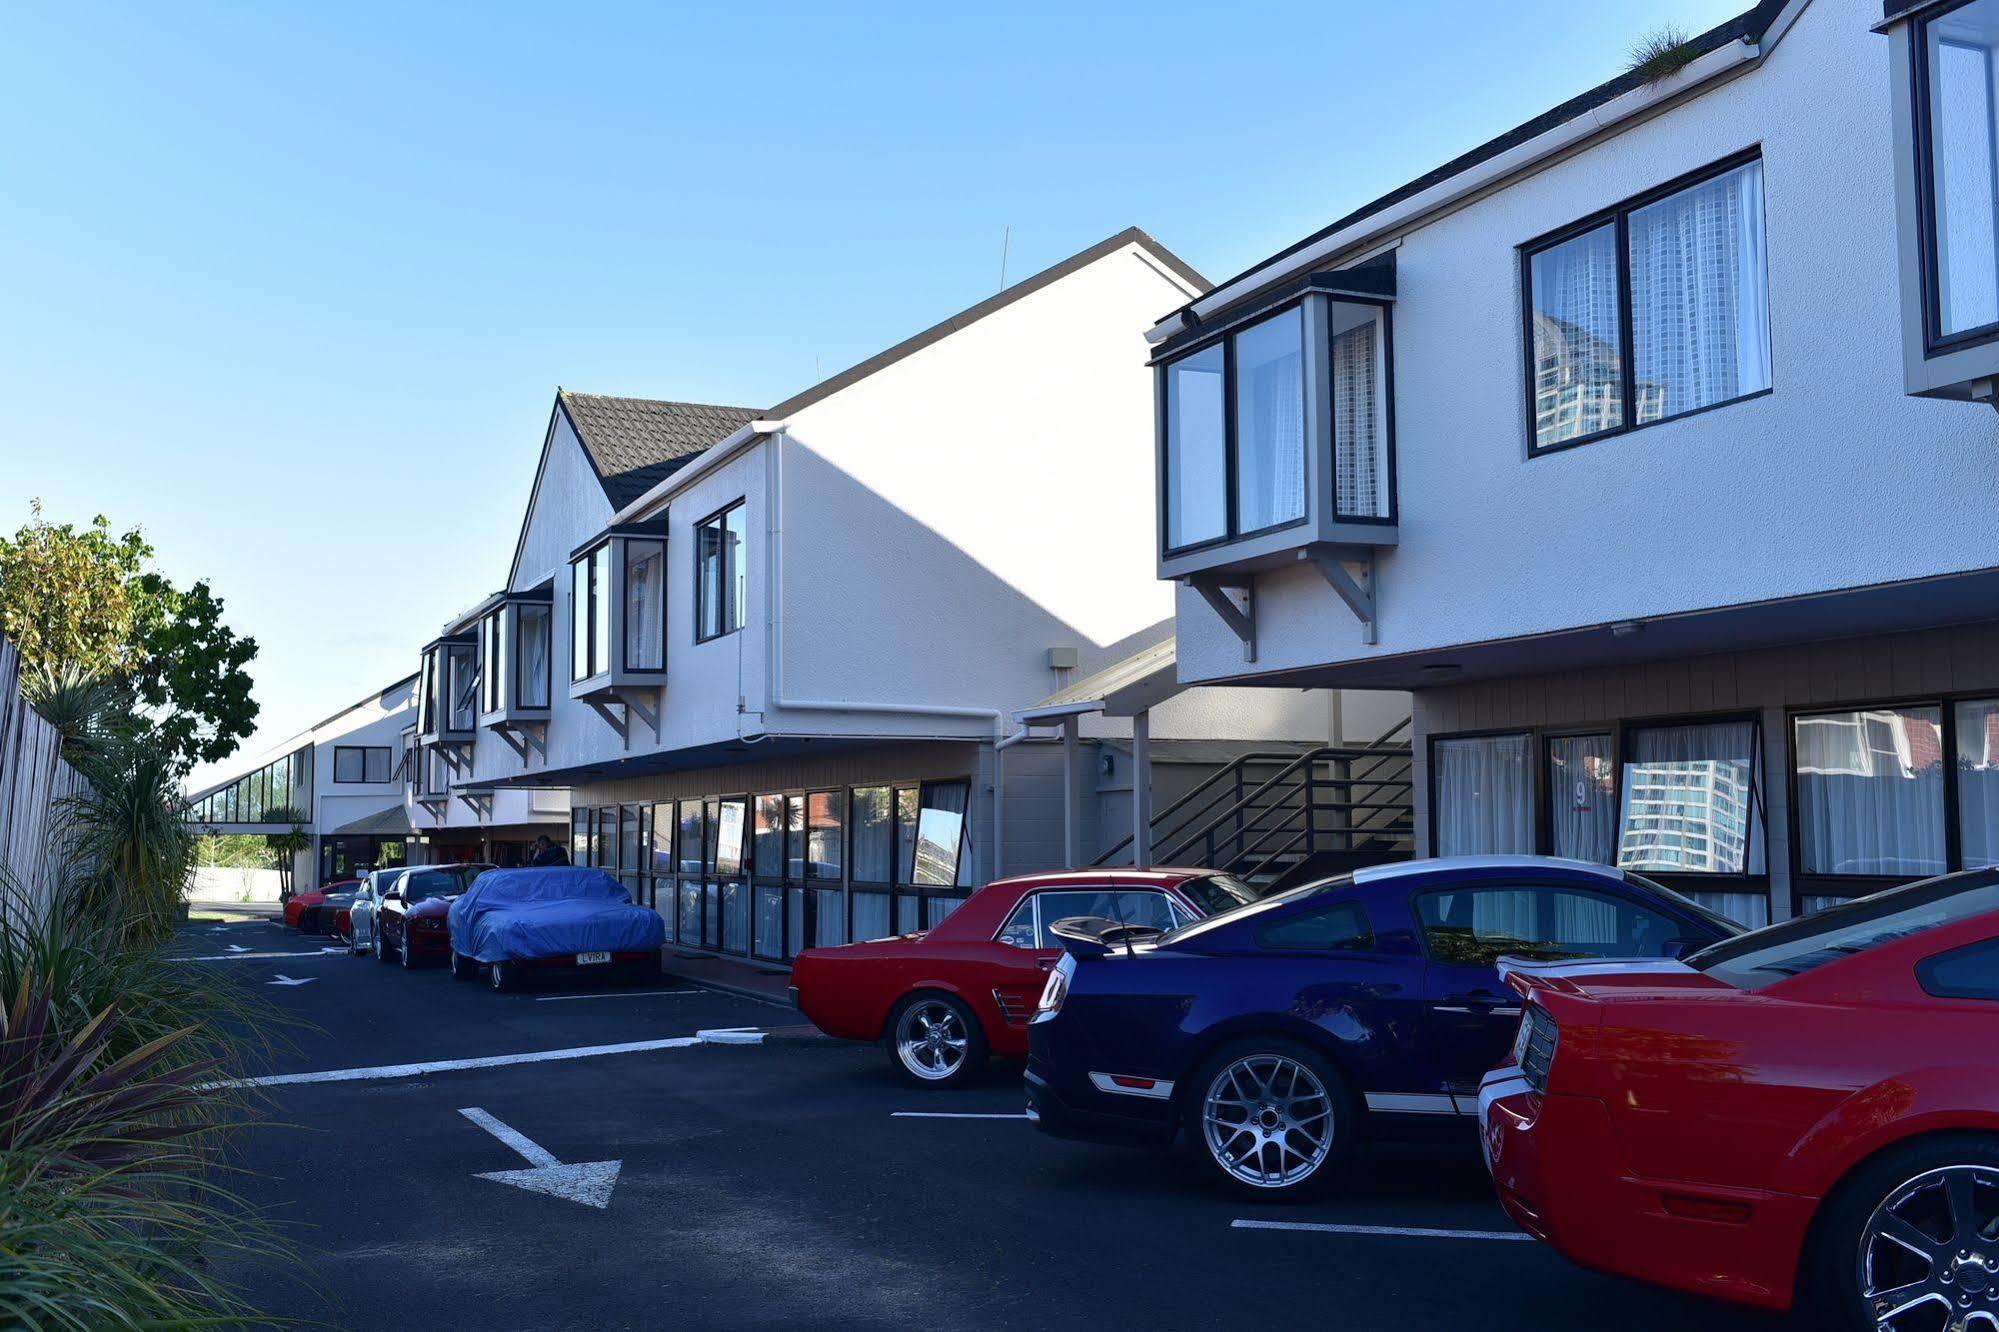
{"x": 1534, "y": 1047}
{"x": 1056, "y": 990}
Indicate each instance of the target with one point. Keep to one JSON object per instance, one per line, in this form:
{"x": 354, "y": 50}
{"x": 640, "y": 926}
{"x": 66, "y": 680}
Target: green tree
{"x": 86, "y": 603}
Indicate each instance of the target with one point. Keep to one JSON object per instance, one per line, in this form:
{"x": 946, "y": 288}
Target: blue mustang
{"x": 1274, "y": 1032}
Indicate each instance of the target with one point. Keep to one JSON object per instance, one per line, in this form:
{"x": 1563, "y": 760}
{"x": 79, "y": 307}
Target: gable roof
{"x": 1748, "y": 26}
{"x": 1025, "y": 287}
{"x": 634, "y": 443}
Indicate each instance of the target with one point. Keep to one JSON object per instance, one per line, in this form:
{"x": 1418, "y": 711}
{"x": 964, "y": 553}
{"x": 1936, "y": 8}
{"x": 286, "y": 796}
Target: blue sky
{"x": 292, "y": 286}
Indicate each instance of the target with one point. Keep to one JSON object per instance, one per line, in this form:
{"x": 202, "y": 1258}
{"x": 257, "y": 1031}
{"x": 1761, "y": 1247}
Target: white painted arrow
{"x": 236, "y": 948}
{"x": 283, "y": 979}
{"x": 586, "y": 1182}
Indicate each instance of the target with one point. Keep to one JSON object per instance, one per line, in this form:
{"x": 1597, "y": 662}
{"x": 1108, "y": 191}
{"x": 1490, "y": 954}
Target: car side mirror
{"x": 393, "y": 895}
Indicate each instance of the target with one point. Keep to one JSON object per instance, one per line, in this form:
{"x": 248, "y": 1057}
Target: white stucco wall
{"x": 1836, "y": 479}
{"x": 374, "y": 723}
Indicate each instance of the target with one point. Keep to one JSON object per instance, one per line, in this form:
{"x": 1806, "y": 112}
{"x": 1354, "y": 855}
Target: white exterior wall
{"x": 375, "y": 723}
{"x": 1836, "y": 479}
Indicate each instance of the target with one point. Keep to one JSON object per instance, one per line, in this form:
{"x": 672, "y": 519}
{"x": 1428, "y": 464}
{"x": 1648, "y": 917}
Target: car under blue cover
{"x": 554, "y": 916}
{"x": 1277, "y": 1034}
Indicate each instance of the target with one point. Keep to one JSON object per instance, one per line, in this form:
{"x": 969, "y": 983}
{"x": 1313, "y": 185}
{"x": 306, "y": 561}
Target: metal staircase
{"x": 1279, "y": 818}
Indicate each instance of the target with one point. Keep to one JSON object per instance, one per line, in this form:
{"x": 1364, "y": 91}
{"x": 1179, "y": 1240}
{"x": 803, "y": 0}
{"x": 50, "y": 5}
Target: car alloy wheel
{"x": 1267, "y": 1121}
{"x": 1929, "y": 1253}
{"x": 931, "y": 1040}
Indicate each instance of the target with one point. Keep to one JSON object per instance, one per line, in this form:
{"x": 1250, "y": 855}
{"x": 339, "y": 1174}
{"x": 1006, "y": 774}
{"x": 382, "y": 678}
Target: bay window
{"x": 1276, "y": 431}
{"x": 1652, "y": 310}
{"x": 618, "y": 611}
{"x": 448, "y": 690}
{"x": 513, "y": 651}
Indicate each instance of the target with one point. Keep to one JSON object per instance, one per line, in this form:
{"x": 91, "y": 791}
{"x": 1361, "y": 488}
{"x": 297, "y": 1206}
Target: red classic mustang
{"x": 1808, "y": 1111}
{"x": 943, "y": 1000}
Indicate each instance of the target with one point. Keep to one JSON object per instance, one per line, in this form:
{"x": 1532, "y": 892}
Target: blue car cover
{"x": 516, "y": 915}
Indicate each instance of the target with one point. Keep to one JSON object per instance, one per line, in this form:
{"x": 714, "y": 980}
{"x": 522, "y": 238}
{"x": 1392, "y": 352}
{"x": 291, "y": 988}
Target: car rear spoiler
{"x": 1525, "y": 975}
{"x": 1086, "y": 938}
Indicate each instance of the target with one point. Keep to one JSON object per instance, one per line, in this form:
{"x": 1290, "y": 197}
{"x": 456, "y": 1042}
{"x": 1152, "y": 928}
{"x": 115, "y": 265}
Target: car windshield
{"x": 1764, "y": 957}
{"x": 444, "y": 882}
{"x": 1255, "y": 906}
{"x": 1216, "y": 893}
{"x": 1721, "y": 923}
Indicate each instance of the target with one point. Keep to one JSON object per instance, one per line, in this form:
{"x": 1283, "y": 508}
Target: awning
{"x": 391, "y": 822}
{"x": 1137, "y": 684}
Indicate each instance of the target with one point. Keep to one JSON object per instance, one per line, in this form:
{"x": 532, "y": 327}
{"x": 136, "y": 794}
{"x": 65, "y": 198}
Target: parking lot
{"x": 701, "y": 1181}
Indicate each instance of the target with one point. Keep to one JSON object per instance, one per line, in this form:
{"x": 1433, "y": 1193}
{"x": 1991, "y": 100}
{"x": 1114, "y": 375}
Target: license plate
{"x": 591, "y": 959}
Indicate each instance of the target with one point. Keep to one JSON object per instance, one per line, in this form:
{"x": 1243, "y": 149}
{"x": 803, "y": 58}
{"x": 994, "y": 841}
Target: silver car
{"x": 367, "y": 906}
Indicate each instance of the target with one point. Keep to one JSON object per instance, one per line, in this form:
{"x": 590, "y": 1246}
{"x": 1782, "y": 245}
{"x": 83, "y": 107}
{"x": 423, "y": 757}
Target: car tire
{"x": 1295, "y": 1102}
{"x": 934, "y": 1040}
{"x": 505, "y": 977}
{"x": 462, "y": 967}
{"x": 381, "y": 949}
{"x": 1910, "y": 1183}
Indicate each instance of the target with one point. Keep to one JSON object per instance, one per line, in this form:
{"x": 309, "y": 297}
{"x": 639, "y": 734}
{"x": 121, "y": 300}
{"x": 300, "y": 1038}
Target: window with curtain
{"x": 1582, "y": 798}
{"x": 645, "y": 605}
{"x": 767, "y": 843}
{"x": 1691, "y": 800}
{"x": 1870, "y": 791}
{"x": 1959, "y": 48}
{"x": 908, "y": 812}
{"x": 1360, "y": 414}
{"x": 1477, "y": 926}
{"x": 661, "y": 866}
{"x": 1482, "y": 795}
{"x": 1196, "y": 450}
{"x": 628, "y": 838}
{"x": 693, "y": 830}
{"x": 794, "y": 837}
{"x": 464, "y": 663}
{"x": 730, "y": 828}
{"x": 1977, "y": 725}
{"x": 870, "y": 835}
{"x": 1269, "y": 410}
{"x": 1694, "y": 268}
{"x": 940, "y": 835}
{"x": 721, "y": 576}
{"x": 823, "y": 847}
{"x": 533, "y": 622}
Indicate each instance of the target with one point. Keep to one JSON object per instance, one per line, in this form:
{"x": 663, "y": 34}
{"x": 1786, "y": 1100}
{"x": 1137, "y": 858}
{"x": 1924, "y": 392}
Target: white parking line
{"x": 298, "y": 954}
{"x": 947, "y": 1114}
{"x": 610, "y": 994}
{"x": 1406, "y": 1232}
{"x": 452, "y": 1065}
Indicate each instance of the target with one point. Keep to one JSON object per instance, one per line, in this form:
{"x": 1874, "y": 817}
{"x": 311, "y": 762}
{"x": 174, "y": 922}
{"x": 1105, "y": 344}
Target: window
{"x": 462, "y": 665}
{"x": 1870, "y": 792}
{"x": 822, "y": 836}
{"x": 629, "y": 842}
{"x": 870, "y": 832}
{"x": 730, "y": 828}
{"x": 1971, "y": 972}
{"x": 533, "y": 622}
{"x": 662, "y": 841}
{"x": 1582, "y": 798}
{"x": 1956, "y": 119}
{"x": 590, "y": 614}
{"x": 645, "y": 605}
{"x": 1340, "y": 927}
{"x": 1235, "y": 433}
{"x": 1483, "y": 796}
{"x": 1028, "y": 925}
{"x": 1363, "y": 476}
{"x": 1976, "y": 739}
{"x": 767, "y": 853}
{"x": 1478, "y": 926}
{"x": 1196, "y": 450}
{"x": 1692, "y": 802}
{"x": 489, "y": 662}
{"x": 937, "y": 855}
{"x": 720, "y": 577}
{"x": 360, "y": 763}
{"x": 1655, "y": 311}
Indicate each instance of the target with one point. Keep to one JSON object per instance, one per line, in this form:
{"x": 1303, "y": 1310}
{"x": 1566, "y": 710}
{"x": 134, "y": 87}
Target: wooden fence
{"x": 33, "y": 779}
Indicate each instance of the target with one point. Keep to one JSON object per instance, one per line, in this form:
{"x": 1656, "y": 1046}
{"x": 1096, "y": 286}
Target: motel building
{"x": 1650, "y": 447}
{"x": 813, "y": 672}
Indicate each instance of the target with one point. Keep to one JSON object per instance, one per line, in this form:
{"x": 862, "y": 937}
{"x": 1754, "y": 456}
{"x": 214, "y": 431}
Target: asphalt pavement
{"x": 623, "y": 1157}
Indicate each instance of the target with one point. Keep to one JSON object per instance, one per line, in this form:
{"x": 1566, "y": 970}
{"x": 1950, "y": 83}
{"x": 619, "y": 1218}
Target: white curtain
{"x": 1749, "y": 910}
{"x": 869, "y": 835}
{"x": 1978, "y": 782}
{"x": 1690, "y": 800}
{"x": 1870, "y": 792}
{"x": 1700, "y": 323}
{"x": 1270, "y": 422}
{"x": 940, "y": 835}
{"x": 871, "y": 916}
{"x": 1359, "y": 442}
{"x": 1582, "y": 797}
{"x": 645, "y": 640}
{"x": 1578, "y": 343}
{"x": 1484, "y": 803}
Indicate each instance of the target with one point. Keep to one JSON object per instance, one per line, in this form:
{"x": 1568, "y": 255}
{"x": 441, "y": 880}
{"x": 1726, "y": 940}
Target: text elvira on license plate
{"x": 585, "y": 959}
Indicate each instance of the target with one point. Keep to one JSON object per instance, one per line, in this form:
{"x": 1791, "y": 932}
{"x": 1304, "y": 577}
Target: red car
{"x": 1808, "y": 1112}
{"x": 411, "y": 923}
{"x": 942, "y": 1001}
{"x": 296, "y": 904}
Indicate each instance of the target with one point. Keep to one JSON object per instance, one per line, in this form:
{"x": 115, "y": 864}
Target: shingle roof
{"x": 634, "y": 443}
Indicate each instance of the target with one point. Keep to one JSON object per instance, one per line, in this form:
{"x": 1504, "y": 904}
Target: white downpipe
{"x": 774, "y": 695}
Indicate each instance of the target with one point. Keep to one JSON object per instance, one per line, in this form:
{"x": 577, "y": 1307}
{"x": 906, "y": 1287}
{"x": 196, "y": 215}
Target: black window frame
{"x": 622, "y": 574}
{"x": 584, "y": 595}
{"x": 519, "y": 677}
{"x": 1935, "y": 341}
{"x": 1230, "y": 471}
{"x": 388, "y": 763}
{"x": 1620, "y": 215}
{"x": 726, "y": 578}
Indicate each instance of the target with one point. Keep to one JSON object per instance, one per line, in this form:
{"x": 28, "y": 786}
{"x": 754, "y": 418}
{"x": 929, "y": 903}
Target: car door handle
{"x": 1485, "y": 1004}
{"x": 1045, "y": 963}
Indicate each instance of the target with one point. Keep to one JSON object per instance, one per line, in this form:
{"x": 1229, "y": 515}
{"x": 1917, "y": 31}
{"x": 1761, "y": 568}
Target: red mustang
{"x": 296, "y": 904}
{"x": 1808, "y": 1111}
{"x": 942, "y": 1001}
